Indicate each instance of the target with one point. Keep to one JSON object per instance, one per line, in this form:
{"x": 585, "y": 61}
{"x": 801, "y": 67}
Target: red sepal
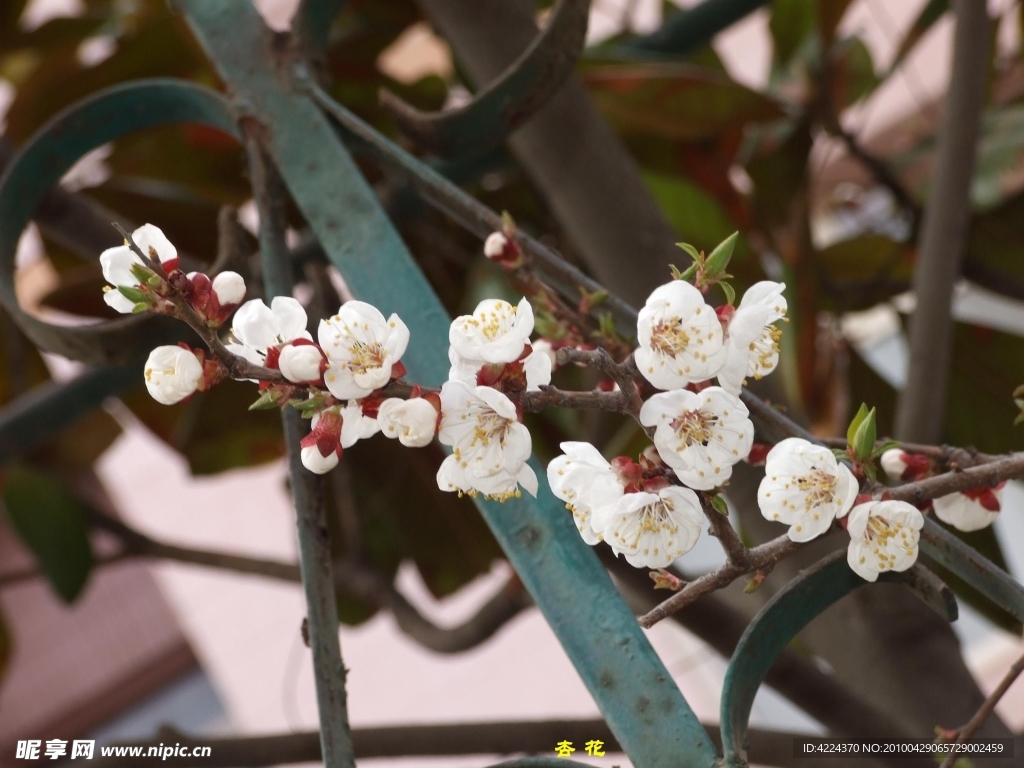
{"x": 397, "y": 370}
{"x": 986, "y": 497}
{"x": 201, "y": 292}
{"x": 273, "y": 355}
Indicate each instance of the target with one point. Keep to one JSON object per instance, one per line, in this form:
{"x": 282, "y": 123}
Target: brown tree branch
{"x": 759, "y": 558}
{"x": 354, "y": 579}
{"x": 964, "y": 734}
{"x": 921, "y": 405}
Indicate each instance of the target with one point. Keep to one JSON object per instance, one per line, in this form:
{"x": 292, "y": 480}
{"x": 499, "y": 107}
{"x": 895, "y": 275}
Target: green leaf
{"x": 864, "y": 436}
{"x": 267, "y": 400}
{"x": 52, "y": 523}
{"x": 730, "y": 293}
{"x": 719, "y": 259}
{"x": 719, "y": 505}
{"x": 694, "y": 213}
{"x": 851, "y": 73}
{"x": 687, "y": 275}
{"x": 792, "y": 21}
{"x": 675, "y": 101}
{"x": 697, "y": 256}
{"x": 858, "y": 418}
{"x": 131, "y": 293}
{"x": 888, "y": 445}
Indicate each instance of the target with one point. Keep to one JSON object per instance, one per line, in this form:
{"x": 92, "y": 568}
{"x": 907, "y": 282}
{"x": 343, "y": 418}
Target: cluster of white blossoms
{"x": 650, "y": 511}
{"x": 806, "y": 488}
{"x": 700, "y": 430}
{"x": 490, "y": 354}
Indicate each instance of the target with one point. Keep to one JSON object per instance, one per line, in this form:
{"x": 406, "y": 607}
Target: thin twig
{"x": 758, "y": 558}
{"x": 980, "y": 476}
{"x": 736, "y": 552}
{"x": 986, "y": 709}
{"x": 947, "y": 456}
{"x": 237, "y": 367}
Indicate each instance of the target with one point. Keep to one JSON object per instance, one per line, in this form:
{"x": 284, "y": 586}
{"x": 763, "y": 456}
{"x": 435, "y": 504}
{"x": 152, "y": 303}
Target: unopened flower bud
{"x": 300, "y": 362}
{"x": 413, "y": 422}
{"x": 172, "y": 374}
{"x": 316, "y": 462}
{"x": 229, "y": 287}
{"x": 503, "y": 250}
{"x": 900, "y": 465}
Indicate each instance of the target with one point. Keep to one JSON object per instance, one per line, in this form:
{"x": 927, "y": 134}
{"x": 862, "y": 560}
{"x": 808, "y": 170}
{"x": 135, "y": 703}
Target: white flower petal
{"x": 116, "y": 264}
{"x": 118, "y": 301}
{"x": 154, "y": 243}
{"x": 289, "y": 318}
{"x": 254, "y": 325}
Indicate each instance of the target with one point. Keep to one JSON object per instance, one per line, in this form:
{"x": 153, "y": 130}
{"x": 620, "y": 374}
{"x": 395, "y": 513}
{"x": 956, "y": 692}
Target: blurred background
{"x": 737, "y": 135}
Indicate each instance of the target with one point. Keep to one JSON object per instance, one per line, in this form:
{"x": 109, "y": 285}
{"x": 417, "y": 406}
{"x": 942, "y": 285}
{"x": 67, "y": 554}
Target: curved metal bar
{"x": 687, "y": 30}
{"x": 785, "y": 615}
{"x": 507, "y": 102}
{"x": 48, "y": 409}
{"x": 88, "y": 124}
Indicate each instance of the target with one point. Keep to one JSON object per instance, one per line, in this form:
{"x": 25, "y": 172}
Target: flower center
{"x": 493, "y": 324}
{"x": 669, "y": 338}
{"x": 489, "y": 426}
{"x": 365, "y": 356}
{"x": 818, "y": 487}
{"x": 693, "y": 427}
{"x": 883, "y": 538}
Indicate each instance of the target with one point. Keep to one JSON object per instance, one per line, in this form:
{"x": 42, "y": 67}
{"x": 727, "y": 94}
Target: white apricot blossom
{"x": 586, "y": 483}
{"x": 490, "y": 445}
{"x": 496, "y": 332}
{"x": 172, "y": 374}
{"x": 971, "y": 510}
{"x": 412, "y": 421}
{"x": 259, "y": 327}
{"x": 884, "y": 537}
{"x": 229, "y": 288}
{"x": 300, "y": 363}
{"x": 362, "y": 347}
{"x": 805, "y": 487}
{"x": 700, "y": 435}
{"x": 752, "y": 339}
{"x": 117, "y": 263}
{"x": 680, "y": 337}
{"x": 652, "y": 529}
